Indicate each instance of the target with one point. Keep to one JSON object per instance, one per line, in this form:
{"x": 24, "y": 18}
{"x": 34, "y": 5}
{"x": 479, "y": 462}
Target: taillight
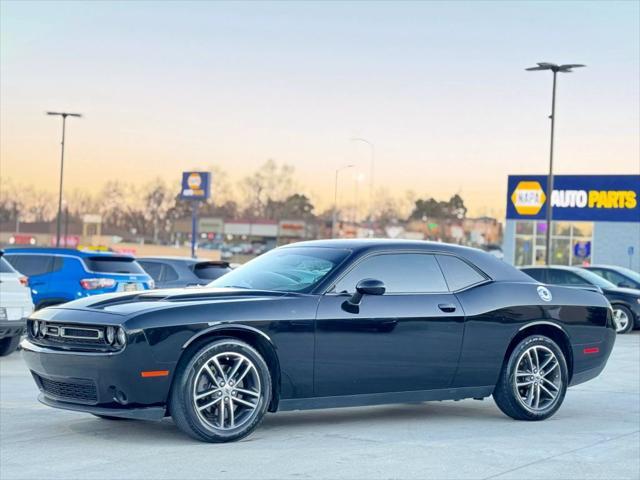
{"x": 24, "y": 281}
{"x": 97, "y": 283}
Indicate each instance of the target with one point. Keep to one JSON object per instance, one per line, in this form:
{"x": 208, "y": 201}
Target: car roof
{"x": 184, "y": 260}
{"x": 569, "y": 268}
{"x": 496, "y": 269}
{"x": 63, "y": 251}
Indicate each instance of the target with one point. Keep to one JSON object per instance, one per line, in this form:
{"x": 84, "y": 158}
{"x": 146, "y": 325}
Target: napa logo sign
{"x": 195, "y": 185}
{"x": 613, "y": 198}
{"x": 528, "y": 198}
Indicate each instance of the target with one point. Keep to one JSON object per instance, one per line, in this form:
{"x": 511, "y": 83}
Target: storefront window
{"x": 561, "y": 251}
{"x": 562, "y": 229}
{"x": 570, "y": 243}
{"x": 524, "y": 227}
{"x": 524, "y": 250}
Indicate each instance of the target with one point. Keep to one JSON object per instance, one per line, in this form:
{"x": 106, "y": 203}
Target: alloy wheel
{"x": 538, "y": 379}
{"x": 226, "y": 391}
{"x": 621, "y": 320}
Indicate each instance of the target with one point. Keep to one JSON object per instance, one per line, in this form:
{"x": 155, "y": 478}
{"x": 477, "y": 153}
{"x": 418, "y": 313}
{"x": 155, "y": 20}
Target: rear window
{"x": 5, "y": 267}
{"x": 113, "y": 264}
{"x": 210, "y": 271}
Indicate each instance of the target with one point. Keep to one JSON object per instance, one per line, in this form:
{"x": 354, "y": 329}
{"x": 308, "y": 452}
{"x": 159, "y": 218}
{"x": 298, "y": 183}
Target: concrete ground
{"x": 594, "y": 435}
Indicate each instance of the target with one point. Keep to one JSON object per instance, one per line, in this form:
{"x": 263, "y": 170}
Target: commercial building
{"x": 596, "y": 219}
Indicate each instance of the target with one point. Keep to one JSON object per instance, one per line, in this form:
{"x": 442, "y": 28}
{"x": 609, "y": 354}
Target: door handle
{"x": 447, "y": 307}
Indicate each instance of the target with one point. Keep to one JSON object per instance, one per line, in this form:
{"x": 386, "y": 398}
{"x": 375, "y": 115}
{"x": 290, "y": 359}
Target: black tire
{"x": 629, "y": 316}
{"x": 509, "y": 397}
{"x": 9, "y": 345}
{"x": 189, "y": 377}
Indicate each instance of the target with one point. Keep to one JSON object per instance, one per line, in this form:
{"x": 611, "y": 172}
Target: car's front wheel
{"x": 622, "y": 319}
{"x": 222, "y": 392}
{"x": 533, "y": 380}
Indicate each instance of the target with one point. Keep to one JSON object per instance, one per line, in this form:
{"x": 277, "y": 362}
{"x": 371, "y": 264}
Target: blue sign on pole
{"x": 196, "y": 187}
{"x": 586, "y": 198}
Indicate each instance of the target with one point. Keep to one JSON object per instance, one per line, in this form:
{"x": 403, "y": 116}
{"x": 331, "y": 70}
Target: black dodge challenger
{"x": 321, "y": 324}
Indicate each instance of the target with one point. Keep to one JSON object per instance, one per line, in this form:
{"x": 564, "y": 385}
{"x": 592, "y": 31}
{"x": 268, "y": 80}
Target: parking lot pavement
{"x": 594, "y": 435}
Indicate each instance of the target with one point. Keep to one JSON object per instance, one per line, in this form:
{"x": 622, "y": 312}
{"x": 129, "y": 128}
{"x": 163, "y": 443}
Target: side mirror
{"x": 368, "y": 286}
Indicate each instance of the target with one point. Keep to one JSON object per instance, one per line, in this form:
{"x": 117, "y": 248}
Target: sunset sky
{"x": 439, "y": 88}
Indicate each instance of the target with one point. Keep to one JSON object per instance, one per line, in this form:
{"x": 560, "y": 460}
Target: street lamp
{"x": 64, "y": 116}
{"x": 335, "y": 201}
{"x": 373, "y": 155}
{"x": 555, "y": 69}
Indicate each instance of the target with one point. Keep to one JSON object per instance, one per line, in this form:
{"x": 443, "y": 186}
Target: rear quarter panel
{"x": 496, "y": 312}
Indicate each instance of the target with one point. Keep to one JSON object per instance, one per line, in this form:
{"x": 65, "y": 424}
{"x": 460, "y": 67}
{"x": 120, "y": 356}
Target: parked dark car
{"x": 175, "y": 272}
{"x": 624, "y": 301}
{"x": 59, "y": 275}
{"x": 321, "y": 324}
{"x": 619, "y": 276}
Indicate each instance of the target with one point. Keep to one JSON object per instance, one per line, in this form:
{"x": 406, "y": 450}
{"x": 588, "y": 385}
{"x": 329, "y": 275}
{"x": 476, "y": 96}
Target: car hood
{"x": 128, "y": 303}
{"x": 632, "y": 292}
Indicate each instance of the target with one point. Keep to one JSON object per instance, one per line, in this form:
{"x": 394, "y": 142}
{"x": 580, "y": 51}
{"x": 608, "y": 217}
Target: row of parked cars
{"x": 34, "y": 278}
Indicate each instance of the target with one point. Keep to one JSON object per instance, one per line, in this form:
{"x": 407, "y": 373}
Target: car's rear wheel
{"x": 222, "y": 392}
{"x": 9, "y": 345}
{"x": 533, "y": 380}
{"x": 622, "y": 319}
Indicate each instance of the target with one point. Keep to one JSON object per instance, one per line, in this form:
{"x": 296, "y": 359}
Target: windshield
{"x": 594, "y": 279}
{"x": 291, "y": 269}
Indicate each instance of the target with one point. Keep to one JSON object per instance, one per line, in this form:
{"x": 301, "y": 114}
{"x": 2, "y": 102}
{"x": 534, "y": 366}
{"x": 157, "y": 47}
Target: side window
{"x": 57, "y": 264}
{"x": 169, "y": 273}
{"x": 535, "y": 273}
{"x": 401, "y": 273}
{"x": 31, "y": 265}
{"x": 613, "y": 277}
{"x": 561, "y": 277}
{"x": 458, "y": 273}
{"x": 152, "y": 268}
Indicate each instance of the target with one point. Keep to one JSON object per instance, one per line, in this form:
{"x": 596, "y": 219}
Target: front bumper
{"x": 144, "y": 413}
{"x": 12, "y": 328}
{"x": 102, "y": 383}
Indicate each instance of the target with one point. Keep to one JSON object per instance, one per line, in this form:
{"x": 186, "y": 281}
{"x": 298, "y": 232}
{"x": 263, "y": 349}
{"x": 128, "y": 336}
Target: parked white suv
{"x": 15, "y": 306}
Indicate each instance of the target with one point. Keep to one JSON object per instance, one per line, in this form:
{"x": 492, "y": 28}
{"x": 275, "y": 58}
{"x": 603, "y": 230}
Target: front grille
{"x": 79, "y": 390}
{"x": 68, "y": 336}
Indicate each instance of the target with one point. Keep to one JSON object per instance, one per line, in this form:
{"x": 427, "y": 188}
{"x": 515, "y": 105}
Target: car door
{"x": 407, "y": 339}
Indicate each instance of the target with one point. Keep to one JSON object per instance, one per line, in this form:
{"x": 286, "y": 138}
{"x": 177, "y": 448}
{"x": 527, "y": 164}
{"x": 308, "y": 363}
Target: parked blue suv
{"x": 58, "y": 275}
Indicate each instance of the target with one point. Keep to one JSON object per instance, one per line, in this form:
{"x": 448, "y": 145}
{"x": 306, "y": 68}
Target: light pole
{"x": 555, "y": 69}
{"x": 64, "y": 116}
{"x": 335, "y": 201}
{"x": 373, "y": 159}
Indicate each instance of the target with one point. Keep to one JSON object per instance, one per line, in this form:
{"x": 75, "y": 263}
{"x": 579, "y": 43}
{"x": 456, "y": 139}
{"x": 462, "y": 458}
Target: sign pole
{"x": 194, "y": 227}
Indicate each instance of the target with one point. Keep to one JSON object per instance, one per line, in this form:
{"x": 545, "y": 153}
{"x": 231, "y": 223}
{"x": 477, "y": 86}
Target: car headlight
{"x": 121, "y": 337}
{"x": 638, "y": 299}
{"x": 35, "y": 328}
{"x": 42, "y": 328}
{"x": 111, "y": 335}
